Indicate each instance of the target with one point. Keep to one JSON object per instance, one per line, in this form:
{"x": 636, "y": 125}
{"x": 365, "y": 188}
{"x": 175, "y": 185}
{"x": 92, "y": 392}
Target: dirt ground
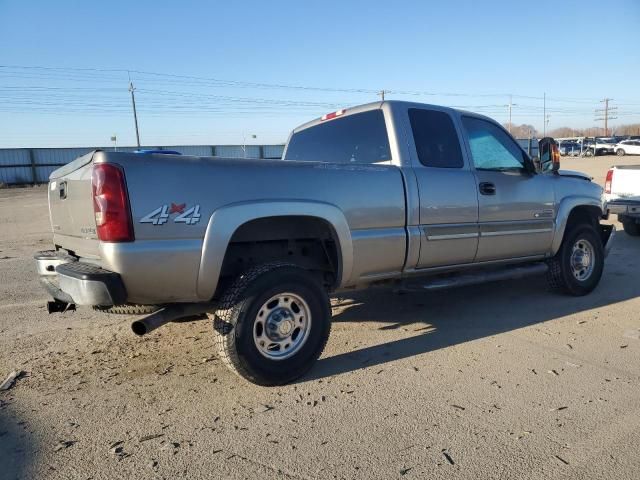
{"x": 503, "y": 380}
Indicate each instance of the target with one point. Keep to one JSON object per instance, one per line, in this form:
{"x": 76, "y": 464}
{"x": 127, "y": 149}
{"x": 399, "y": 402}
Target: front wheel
{"x": 273, "y": 323}
{"x": 620, "y": 152}
{"x": 577, "y": 267}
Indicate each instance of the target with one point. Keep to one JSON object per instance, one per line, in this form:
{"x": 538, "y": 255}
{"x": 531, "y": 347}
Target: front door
{"x": 516, "y": 207}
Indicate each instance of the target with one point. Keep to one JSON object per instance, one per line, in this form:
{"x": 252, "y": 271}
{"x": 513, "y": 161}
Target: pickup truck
{"x": 412, "y": 196}
{"x": 622, "y": 194}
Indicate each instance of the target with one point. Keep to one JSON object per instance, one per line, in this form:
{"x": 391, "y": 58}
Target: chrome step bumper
{"x": 71, "y": 281}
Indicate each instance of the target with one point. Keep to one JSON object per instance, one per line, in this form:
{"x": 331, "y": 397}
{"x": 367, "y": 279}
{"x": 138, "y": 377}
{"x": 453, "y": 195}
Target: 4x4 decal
{"x": 161, "y": 215}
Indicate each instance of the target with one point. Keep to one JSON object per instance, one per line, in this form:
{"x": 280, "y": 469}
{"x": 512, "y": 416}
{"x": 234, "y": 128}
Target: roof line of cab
{"x": 379, "y": 105}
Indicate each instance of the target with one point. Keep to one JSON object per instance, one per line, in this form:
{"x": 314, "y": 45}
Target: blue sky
{"x": 234, "y": 69}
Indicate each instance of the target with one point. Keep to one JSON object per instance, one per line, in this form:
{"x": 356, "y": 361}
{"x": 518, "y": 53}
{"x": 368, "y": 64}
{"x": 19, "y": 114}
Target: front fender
{"x": 226, "y": 220}
{"x": 564, "y": 210}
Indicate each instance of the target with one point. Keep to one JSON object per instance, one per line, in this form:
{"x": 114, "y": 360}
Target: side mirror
{"x": 549, "y": 160}
{"x": 536, "y": 164}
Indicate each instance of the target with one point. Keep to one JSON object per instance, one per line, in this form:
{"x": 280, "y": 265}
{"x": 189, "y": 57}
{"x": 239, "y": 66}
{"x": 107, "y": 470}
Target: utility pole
{"x": 604, "y": 114}
{"x": 510, "y": 106}
{"x": 135, "y": 114}
{"x": 381, "y": 93}
{"x": 544, "y": 115}
{"x": 546, "y": 123}
{"x": 244, "y": 143}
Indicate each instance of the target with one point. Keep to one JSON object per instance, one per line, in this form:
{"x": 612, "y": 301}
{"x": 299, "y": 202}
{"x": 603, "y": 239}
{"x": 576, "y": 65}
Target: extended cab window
{"x": 491, "y": 147}
{"x": 435, "y": 138}
{"x": 358, "y": 138}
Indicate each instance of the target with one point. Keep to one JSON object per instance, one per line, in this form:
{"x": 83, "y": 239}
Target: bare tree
{"x": 522, "y": 131}
{"x": 630, "y": 129}
{"x": 562, "y": 132}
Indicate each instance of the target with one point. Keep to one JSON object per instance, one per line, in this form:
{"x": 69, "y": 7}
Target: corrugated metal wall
{"x": 238, "y": 151}
{"x": 272, "y": 151}
{"x": 11, "y": 169}
{"x": 525, "y": 143}
{"x": 34, "y": 165}
{"x": 18, "y": 165}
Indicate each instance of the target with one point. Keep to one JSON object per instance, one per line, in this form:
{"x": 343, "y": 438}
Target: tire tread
{"x": 556, "y": 275}
{"x": 631, "y": 228}
{"x": 231, "y": 304}
{"x": 128, "y": 309}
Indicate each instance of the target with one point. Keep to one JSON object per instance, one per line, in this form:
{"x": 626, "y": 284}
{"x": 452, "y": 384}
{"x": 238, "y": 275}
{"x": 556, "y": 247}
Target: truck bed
{"x": 371, "y": 197}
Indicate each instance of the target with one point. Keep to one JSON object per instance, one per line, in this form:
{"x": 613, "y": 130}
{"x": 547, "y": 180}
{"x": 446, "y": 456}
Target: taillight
{"x": 111, "y": 203}
{"x": 331, "y": 115}
{"x": 608, "y": 180}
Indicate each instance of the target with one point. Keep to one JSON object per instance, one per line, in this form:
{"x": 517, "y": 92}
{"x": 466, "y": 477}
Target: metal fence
{"x": 34, "y": 165}
{"x": 529, "y": 145}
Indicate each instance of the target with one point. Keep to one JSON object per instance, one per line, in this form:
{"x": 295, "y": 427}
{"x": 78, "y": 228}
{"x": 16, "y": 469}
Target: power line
{"x": 84, "y": 74}
{"x": 157, "y": 94}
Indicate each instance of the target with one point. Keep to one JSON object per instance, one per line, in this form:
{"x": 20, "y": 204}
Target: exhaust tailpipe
{"x": 168, "y": 314}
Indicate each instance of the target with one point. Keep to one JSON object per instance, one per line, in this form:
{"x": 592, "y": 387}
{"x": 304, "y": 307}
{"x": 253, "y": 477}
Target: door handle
{"x": 487, "y": 188}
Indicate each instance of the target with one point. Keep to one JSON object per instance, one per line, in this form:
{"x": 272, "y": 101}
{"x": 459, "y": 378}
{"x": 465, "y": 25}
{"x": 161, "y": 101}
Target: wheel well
{"x": 308, "y": 242}
{"x": 583, "y": 214}
{"x": 590, "y": 215}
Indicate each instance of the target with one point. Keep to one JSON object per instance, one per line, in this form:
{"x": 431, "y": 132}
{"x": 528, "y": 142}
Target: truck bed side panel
{"x": 371, "y": 198}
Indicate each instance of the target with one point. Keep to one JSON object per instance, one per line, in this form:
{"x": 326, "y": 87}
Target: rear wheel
{"x": 620, "y": 152}
{"x": 577, "y": 267}
{"x": 631, "y": 228}
{"x": 273, "y": 323}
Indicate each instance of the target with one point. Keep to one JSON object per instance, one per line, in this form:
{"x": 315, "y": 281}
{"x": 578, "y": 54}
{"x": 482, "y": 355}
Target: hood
{"x": 574, "y": 174}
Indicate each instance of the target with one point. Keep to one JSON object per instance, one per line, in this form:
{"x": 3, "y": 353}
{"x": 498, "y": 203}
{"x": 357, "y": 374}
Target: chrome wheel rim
{"x": 582, "y": 259}
{"x": 282, "y": 326}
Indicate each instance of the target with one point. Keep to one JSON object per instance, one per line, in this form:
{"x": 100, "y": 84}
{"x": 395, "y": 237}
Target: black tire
{"x": 620, "y": 152}
{"x": 631, "y": 228}
{"x": 560, "y": 276}
{"x": 128, "y": 309}
{"x": 237, "y": 317}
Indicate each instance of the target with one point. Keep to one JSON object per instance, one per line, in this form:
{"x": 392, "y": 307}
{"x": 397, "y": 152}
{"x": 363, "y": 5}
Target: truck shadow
{"x": 16, "y": 449}
{"x": 435, "y": 320}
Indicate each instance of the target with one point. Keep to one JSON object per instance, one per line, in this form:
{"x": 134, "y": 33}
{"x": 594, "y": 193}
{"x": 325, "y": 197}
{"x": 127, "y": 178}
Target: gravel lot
{"x": 502, "y": 380}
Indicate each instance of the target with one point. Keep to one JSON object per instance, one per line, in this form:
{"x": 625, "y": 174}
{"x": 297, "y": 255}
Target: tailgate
{"x": 626, "y": 182}
{"x": 71, "y": 207}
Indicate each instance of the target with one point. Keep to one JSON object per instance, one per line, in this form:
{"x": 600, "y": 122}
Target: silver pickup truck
{"x": 390, "y": 193}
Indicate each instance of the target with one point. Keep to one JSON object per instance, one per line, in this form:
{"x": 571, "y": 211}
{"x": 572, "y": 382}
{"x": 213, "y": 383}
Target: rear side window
{"x": 436, "y": 139}
{"x": 358, "y": 138}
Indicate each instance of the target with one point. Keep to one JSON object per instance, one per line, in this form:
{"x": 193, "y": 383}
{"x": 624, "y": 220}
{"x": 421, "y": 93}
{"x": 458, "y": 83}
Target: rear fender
{"x": 226, "y": 220}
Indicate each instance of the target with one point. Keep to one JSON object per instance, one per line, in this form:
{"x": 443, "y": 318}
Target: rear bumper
{"x": 629, "y": 208}
{"x": 68, "y": 280}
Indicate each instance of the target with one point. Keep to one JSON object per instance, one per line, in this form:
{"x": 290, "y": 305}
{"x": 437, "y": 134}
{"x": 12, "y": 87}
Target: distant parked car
{"x": 569, "y": 149}
{"x": 628, "y": 147}
{"x": 591, "y": 147}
